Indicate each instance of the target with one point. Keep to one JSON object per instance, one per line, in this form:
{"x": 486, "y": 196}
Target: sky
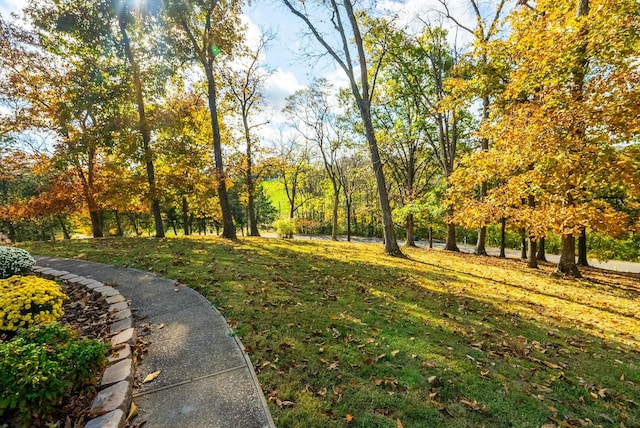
{"x": 288, "y": 70}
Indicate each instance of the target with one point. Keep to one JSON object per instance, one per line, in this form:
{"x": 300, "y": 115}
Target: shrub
{"x": 43, "y": 365}
{"x": 284, "y": 228}
{"x": 14, "y": 261}
{"x": 27, "y": 300}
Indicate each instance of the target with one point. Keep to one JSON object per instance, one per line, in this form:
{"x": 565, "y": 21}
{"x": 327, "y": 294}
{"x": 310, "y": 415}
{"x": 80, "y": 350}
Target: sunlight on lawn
{"x": 437, "y": 339}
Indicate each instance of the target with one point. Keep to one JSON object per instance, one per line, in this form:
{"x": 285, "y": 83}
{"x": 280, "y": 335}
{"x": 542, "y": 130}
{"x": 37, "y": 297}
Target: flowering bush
{"x": 27, "y": 300}
{"x": 14, "y": 261}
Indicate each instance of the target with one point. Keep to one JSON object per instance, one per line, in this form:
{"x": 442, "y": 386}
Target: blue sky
{"x": 288, "y": 70}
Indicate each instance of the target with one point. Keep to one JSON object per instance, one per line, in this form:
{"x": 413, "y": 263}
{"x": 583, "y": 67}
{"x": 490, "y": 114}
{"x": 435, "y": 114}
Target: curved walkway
{"x": 206, "y": 379}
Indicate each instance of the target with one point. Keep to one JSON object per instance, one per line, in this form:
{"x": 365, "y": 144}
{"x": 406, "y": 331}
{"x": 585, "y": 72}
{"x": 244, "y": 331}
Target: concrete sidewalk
{"x": 206, "y": 379}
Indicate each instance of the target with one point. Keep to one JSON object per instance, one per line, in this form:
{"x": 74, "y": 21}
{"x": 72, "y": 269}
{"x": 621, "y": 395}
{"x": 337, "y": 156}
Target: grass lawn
{"x": 341, "y": 335}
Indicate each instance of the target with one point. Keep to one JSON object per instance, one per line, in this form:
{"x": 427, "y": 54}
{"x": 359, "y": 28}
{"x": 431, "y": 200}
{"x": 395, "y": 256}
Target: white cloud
{"x": 412, "y": 15}
{"x": 253, "y": 34}
{"x": 9, "y": 6}
{"x": 279, "y": 85}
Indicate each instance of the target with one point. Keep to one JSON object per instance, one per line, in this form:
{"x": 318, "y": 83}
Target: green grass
{"x": 339, "y": 332}
{"x": 274, "y": 189}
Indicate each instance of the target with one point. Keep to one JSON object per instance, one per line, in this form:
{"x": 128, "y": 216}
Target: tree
{"x": 351, "y": 174}
{"x": 203, "y": 30}
{"x": 401, "y": 124}
{"x": 484, "y": 79}
{"x": 294, "y": 169}
{"x": 346, "y": 27}
{"x": 243, "y": 85}
{"x": 67, "y": 74}
{"x": 125, "y": 17}
{"x": 422, "y": 65}
{"x": 311, "y": 115}
{"x": 560, "y": 123}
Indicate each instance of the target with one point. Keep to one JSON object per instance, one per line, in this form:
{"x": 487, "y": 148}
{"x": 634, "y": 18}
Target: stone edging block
{"x": 116, "y": 386}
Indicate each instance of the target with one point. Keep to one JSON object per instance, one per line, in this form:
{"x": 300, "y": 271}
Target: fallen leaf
{"x": 394, "y": 353}
{"x": 551, "y": 365}
{"x": 442, "y": 408}
{"x": 151, "y": 377}
{"x": 473, "y": 405}
{"x": 562, "y": 423}
{"x": 398, "y": 423}
{"x": 349, "y": 418}
{"x": 133, "y": 411}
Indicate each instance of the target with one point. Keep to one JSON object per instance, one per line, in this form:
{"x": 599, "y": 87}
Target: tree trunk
{"x": 503, "y": 237}
{"x": 144, "y": 127}
{"x": 582, "y": 249}
{"x": 96, "y": 223}
{"x": 348, "y": 222}
{"x": 481, "y": 249}
{"x": 567, "y": 264}
{"x": 65, "y": 231}
{"x": 541, "y": 252}
{"x": 533, "y": 260}
{"x": 134, "y": 223}
{"x": 390, "y": 241}
{"x": 228, "y": 228}
{"x": 484, "y": 142}
{"x": 410, "y": 230}
{"x": 430, "y": 237}
{"x": 185, "y": 216}
{"x": 119, "y": 231}
{"x": 523, "y": 244}
{"x": 451, "y": 238}
{"x": 11, "y": 231}
{"x": 251, "y": 206}
{"x": 334, "y": 213}
{"x": 363, "y": 100}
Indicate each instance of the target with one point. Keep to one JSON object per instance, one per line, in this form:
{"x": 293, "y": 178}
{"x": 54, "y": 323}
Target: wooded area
{"x": 122, "y": 119}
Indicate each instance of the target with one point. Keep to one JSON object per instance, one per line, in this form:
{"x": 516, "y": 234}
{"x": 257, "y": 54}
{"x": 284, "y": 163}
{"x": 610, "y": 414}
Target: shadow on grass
{"x": 334, "y": 331}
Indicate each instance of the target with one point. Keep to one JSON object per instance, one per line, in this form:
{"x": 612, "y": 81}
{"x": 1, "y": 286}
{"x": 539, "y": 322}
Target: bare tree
{"x": 243, "y": 86}
{"x": 349, "y": 53}
{"x": 311, "y": 115}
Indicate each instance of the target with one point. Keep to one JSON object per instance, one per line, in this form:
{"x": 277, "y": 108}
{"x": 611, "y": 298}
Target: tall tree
{"x": 400, "y": 120}
{"x": 421, "y": 66}
{"x": 75, "y": 89}
{"x": 294, "y": 169}
{"x": 127, "y": 16}
{"x": 203, "y": 30}
{"x": 484, "y": 79}
{"x": 559, "y": 126}
{"x": 349, "y": 53}
{"x": 312, "y": 116}
{"x": 244, "y": 82}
